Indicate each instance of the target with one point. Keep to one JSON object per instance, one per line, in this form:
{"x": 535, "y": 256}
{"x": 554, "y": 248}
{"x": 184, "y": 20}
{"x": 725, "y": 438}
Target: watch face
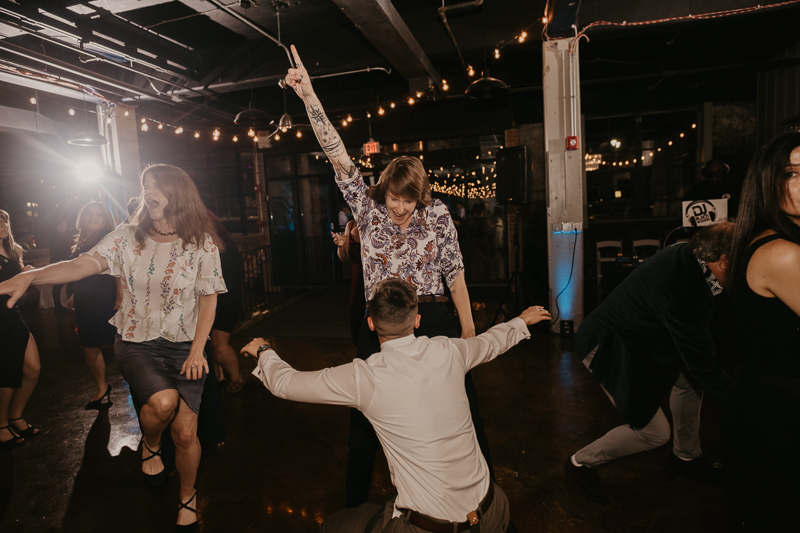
{"x": 264, "y": 347}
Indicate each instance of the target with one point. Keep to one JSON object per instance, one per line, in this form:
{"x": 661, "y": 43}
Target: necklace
{"x": 170, "y": 234}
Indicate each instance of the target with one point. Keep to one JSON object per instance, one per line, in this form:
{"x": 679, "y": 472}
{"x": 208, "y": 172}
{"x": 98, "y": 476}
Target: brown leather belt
{"x": 439, "y": 526}
{"x": 428, "y": 298}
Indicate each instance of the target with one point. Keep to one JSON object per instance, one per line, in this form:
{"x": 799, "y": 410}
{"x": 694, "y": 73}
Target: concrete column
{"x": 565, "y": 181}
{"x": 121, "y": 154}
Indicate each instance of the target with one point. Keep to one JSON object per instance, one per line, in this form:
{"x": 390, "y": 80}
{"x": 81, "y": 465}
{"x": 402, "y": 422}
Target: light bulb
{"x": 670, "y": 143}
{"x": 497, "y": 53}
{"x": 344, "y": 123}
{"x": 161, "y": 126}
{"x": 71, "y": 112}
{"x": 283, "y": 130}
{"x": 544, "y": 20}
{"x": 127, "y": 113}
{"x": 470, "y": 70}
{"x": 694, "y": 126}
{"x": 445, "y": 87}
{"x": 349, "y": 118}
{"x": 235, "y": 138}
{"x": 216, "y": 133}
{"x": 369, "y": 115}
{"x": 33, "y": 100}
{"x": 391, "y": 105}
{"x": 144, "y": 120}
{"x": 522, "y": 37}
{"x": 299, "y": 134}
{"x": 197, "y": 135}
{"x": 250, "y": 132}
{"x": 681, "y": 135}
{"x": 411, "y": 100}
{"x": 277, "y": 137}
{"x": 381, "y": 111}
{"x": 145, "y": 127}
{"x": 255, "y": 138}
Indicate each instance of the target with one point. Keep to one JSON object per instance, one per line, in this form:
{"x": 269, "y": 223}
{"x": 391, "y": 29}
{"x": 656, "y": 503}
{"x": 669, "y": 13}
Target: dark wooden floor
{"x": 284, "y": 470}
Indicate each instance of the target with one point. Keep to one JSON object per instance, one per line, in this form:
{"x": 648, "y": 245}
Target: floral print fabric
{"x": 160, "y": 284}
{"x": 421, "y": 254}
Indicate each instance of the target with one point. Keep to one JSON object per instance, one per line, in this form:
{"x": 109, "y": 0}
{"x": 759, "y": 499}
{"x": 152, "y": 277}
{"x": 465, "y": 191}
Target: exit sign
{"x": 372, "y": 147}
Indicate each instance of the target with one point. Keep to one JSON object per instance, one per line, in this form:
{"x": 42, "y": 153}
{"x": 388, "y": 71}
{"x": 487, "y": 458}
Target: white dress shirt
{"x": 412, "y": 392}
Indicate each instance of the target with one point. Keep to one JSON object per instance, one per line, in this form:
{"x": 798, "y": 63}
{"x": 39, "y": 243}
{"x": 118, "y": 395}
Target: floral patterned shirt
{"x": 422, "y": 254}
{"x": 160, "y": 284}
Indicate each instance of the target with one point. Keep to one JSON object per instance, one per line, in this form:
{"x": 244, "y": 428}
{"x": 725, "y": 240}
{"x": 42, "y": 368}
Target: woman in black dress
{"x": 348, "y": 246}
{"x": 762, "y": 422}
{"x": 94, "y": 300}
{"x": 19, "y": 357}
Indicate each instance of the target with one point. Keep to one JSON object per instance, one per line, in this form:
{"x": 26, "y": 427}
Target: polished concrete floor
{"x": 284, "y": 468}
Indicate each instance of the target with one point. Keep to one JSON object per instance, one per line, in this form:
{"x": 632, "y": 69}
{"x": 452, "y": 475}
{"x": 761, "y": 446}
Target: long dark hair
{"x": 763, "y": 193}
{"x": 185, "y": 209}
{"x": 9, "y": 244}
{"x": 84, "y": 242}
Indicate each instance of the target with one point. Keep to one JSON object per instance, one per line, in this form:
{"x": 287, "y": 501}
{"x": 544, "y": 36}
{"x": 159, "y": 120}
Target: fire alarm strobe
{"x": 572, "y": 142}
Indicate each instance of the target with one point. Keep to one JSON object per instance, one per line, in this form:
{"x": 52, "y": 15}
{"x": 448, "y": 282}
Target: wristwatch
{"x": 263, "y": 348}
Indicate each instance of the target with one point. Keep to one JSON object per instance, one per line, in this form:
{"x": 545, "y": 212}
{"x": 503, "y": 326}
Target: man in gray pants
{"x": 413, "y": 394}
{"x": 648, "y": 338}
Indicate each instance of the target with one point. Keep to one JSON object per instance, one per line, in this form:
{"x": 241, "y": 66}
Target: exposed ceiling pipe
{"x": 248, "y": 22}
{"x": 33, "y": 56}
{"x": 442, "y": 14}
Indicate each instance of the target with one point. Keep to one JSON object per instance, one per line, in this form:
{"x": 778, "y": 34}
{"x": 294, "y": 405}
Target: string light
{"x": 145, "y": 127}
{"x": 522, "y": 37}
{"x": 391, "y": 105}
{"x": 235, "y": 138}
{"x": 681, "y": 135}
{"x": 251, "y": 133}
{"x": 369, "y": 115}
{"x": 344, "y": 123}
{"x": 694, "y": 126}
{"x": 33, "y": 100}
{"x": 299, "y": 134}
{"x": 71, "y": 112}
{"x": 497, "y": 53}
{"x": 470, "y": 71}
{"x": 179, "y": 130}
{"x": 277, "y": 137}
{"x": 197, "y": 135}
{"x": 381, "y": 111}
{"x": 349, "y": 118}
{"x": 255, "y": 138}
{"x": 445, "y": 87}
{"x": 161, "y": 126}
{"x": 144, "y": 120}
{"x": 411, "y": 100}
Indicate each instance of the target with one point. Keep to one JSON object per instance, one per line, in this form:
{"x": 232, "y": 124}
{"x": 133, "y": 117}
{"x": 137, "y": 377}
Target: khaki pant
{"x": 356, "y": 520}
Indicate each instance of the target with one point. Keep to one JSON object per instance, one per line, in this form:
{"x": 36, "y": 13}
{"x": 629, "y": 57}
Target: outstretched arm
{"x": 299, "y": 80}
{"x": 55, "y": 274}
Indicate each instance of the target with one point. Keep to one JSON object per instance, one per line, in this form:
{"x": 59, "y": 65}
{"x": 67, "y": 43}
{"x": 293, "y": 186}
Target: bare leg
{"x": 5, "y": 400}
{"x": 224, "y": 355}
{"x": 187, "y": 457}
{"x": 30, "y": 375}
{"x": 154, "y": 417}
{"x": 97, "y": 367}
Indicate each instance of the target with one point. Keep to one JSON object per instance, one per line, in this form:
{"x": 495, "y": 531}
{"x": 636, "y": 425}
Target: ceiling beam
{"x": 380, "y": 22}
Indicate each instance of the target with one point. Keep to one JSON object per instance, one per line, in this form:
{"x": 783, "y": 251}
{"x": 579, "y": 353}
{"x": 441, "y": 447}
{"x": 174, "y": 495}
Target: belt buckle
{"x": 472, "y": 518}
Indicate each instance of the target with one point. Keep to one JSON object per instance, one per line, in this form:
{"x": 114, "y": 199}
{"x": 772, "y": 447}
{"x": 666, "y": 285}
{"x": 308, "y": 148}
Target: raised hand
{"x": 535, "y": 314}
{"x": 298, "y": 78}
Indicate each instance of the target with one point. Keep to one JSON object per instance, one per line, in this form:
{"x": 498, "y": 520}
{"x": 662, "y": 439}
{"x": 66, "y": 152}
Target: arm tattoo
{"x": 330, "y": 142}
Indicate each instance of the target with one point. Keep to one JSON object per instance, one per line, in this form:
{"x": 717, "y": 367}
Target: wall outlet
{"x": 567, "y": 226}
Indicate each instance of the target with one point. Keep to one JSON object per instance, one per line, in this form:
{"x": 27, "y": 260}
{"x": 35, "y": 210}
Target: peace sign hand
{"x": 298, "y": 78}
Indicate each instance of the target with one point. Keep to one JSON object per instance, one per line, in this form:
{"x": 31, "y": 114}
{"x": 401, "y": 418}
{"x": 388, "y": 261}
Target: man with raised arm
{"x": 405, "y": 233}
{"x": 412, "y": 392}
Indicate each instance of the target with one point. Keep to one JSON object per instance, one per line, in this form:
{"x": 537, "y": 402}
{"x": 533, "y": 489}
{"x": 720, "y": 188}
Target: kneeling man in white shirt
{"x": 412, "y": 392}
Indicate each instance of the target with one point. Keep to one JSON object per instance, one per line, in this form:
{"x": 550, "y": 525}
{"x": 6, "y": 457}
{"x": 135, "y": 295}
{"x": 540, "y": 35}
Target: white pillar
{"x": 565, "y": 179}
{"x": 121, "y": 154}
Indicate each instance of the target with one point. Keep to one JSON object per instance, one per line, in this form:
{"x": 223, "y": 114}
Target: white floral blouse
{"x": 422, "y": 254}
{"x": 160, "y": 284}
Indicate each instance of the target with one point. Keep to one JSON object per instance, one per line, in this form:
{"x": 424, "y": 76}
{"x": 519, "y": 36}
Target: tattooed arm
{"x": 326, "y": 133}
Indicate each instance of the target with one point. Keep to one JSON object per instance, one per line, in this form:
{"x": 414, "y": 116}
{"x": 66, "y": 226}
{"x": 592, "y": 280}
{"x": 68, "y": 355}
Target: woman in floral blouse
{"x": 170, "y": 270}
{"x": 406, "y": 234}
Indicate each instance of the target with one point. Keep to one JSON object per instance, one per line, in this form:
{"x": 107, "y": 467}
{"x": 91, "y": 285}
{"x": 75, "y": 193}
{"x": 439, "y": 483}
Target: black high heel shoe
{"x": 27, "y": 433}
{"x": 153, "y": 480}
{"x": 99, "y": 404}
{"x": 14, "y": 442}
{"x": 187, "y": 528}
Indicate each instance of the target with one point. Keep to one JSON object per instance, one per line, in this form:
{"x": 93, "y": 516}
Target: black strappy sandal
{"x": 14, "y": 442}
{"x": 100, "y": 403}
{"x": 27, "y": 433}
{"x": 186, "y": 528}
{"x": 153, "y": 480}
